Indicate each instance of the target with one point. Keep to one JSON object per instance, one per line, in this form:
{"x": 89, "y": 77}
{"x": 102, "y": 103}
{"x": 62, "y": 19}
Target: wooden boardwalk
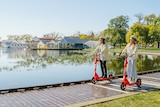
{"x": 76, "y": 94}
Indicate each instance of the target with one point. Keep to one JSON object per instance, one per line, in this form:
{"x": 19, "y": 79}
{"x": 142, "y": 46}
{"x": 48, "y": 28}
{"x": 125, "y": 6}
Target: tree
{"x": 142, "y": 32}
{"x": 53, "y": 35}
{"x": 140, "y": 17}
{"x": 25, "y": 37}
{"x": 149, "y": 19}
{"x": 91, "y": 36}
{"x": 117, "y": 29}
{"x": 83, "y": 36}
{"x": 154, "y": 31}
{"x": 128, "y": 35}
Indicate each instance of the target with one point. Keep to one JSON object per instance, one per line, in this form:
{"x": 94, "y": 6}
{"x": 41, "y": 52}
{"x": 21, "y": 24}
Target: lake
{"x": 24, "y": 68}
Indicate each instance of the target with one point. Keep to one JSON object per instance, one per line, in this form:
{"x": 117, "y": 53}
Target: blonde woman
{"x": 102, "y": 51}
{"x": 131, "y": 51}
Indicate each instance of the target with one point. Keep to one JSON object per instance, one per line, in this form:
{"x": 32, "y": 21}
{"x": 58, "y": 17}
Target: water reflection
{"x": 38, "y": 67}
{"x": 41, "y": 58}
{"x": 148, "y": 62}
{"x": 144, "y": 63}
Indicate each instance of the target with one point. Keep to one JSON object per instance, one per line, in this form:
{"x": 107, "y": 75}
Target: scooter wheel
{"x": 93, "y": 81}
{"x": 123, "y": 87}
{"x": 139, "y": 82}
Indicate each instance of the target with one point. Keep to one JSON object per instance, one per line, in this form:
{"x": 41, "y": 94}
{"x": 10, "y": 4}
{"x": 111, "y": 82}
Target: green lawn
{"x": 148, "y": 49}
{"x": 117, "y": 49}
{"x": 148, "y": 99}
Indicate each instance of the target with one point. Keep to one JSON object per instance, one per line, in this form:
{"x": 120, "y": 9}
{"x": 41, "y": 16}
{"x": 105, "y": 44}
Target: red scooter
{"x": 125, "y": 81}
{"x": 96, "y": 77}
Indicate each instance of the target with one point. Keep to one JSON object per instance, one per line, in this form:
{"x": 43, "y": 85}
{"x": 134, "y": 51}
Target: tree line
{"x": 118, "y": 31}
{"x": 147, "y": 30}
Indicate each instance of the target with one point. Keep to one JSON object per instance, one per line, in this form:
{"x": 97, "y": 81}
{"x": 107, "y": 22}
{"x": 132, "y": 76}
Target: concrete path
{"x": 77, "y": 95}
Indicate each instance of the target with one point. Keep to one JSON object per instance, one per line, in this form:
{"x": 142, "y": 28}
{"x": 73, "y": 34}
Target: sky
{"x": 67, "y": 17}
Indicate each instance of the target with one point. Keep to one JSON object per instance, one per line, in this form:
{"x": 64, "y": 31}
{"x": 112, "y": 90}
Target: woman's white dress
{"x": 131, "y": 51}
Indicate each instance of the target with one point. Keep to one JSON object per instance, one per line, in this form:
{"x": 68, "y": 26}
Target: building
{"x": 14, "y": 44}
{"x": 91, "y": 43}
{"x": 65, "y": 43}
{"x": 40, "y": 43}
{"x": 71, "y": 43}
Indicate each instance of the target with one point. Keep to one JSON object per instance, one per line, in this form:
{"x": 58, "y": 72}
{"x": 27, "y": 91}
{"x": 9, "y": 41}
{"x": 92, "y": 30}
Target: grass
{"x": 148, "y": 99}
{"x": 148, "y": 49}
{"x": 117, "y": 49}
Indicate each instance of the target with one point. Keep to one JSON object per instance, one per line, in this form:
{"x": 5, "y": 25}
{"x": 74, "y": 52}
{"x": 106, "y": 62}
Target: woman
{"x": 131, "y": 51}
{"x": 102, "y": 51}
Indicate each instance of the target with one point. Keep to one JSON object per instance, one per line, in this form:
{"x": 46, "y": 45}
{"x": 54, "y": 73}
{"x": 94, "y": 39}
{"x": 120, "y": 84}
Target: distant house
{"x": 65, "y": 43}
{"x": 33, "y": 43}
{"x": 43, "y": 43}
{"x": 14, "y": 44}
{"x": 40, "y": 43}
{"x": 6, "y": 43}
{"x": 91, "y": 43}
{"x": 53, "y": 44}
{"x": 71, "y": 43}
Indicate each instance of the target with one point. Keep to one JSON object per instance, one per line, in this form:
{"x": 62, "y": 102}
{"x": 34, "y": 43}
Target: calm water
{"x": 22, "y": 68}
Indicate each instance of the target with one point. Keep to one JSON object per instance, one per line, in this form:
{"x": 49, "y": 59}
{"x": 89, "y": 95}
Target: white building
{"x": 14, "y": 44}
{"x": 91, "y": 43}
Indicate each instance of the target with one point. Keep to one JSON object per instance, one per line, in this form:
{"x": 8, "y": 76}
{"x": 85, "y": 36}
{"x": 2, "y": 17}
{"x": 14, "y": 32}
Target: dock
{"x": 76, "y": 95}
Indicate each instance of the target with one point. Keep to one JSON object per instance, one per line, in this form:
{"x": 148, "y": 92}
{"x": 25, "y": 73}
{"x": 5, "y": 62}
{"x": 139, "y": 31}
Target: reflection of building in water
{"x": 15, "y": 52}
{"x": 0, "y": 43}
{"x": 21, "y": 53}
{"x": 33, "y": 53}
{"x": 42, "y": 53}
{"x": 0, "y": 51}
{"x": 53, "y": 53}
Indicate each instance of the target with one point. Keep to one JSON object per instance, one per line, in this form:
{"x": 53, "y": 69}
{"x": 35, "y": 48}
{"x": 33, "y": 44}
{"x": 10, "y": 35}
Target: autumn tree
{"x": 83, "y": 36}
{"x": 91, "y": 36}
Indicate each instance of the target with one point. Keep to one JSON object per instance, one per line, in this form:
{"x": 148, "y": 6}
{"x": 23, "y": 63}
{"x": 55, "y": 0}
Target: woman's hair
{"x": 103, "y": 41}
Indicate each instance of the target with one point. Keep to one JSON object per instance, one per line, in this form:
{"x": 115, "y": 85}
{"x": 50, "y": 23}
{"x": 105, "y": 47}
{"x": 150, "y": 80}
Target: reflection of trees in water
{"x": 115, "y": 64}
{"x": 41, "y": 58}
{"x": 144, "y": 63}
{"x": 148, "y": 62}
{"x": 34, "y": 59}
